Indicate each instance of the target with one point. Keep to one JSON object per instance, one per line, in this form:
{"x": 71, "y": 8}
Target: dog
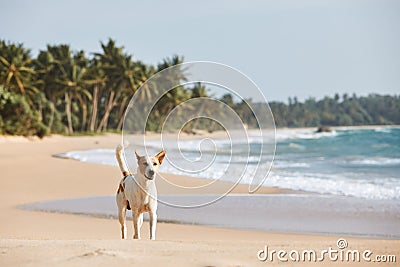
{"x": 138, "y": 192}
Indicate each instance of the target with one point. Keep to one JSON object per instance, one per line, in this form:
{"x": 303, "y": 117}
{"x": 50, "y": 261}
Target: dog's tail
{"x": 121, "y": 162}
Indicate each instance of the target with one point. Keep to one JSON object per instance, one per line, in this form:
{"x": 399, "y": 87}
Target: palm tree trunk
{"x": 84, "y": 112}
{"x": 52, "y": 111}
{"x": 68, "y": 112}
{"x": 40, "y": 108}
{"x": 121, "y": 113}
{"x": 196, "y": 122}
{"x": 109, "y": 106}
{"x": 93, "y": 118}
{"x": 84, "y": 115}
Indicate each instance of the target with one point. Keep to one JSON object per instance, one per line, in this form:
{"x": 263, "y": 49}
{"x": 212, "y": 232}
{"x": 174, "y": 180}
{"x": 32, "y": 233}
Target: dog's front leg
{"x": 153, "y": 224}
{"x": 136, "y": 228}
{"x": 140, "y": 222}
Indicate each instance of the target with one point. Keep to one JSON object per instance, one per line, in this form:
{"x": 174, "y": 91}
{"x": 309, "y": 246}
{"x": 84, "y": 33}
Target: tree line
{"x": 66, "y": 91}
{"x": 344, "y": 110}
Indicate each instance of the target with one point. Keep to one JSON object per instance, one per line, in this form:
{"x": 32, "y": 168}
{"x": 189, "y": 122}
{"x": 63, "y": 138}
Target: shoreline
{"x": 313, "y": 214}
{"x": 200, "y": 133}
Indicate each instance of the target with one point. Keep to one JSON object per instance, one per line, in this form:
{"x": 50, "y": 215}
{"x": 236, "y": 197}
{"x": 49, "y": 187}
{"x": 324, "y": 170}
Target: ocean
{"x": 357, "y": 162}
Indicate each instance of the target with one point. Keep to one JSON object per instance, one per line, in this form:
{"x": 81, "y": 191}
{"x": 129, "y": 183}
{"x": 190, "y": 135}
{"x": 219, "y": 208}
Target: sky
{"x": 302, "y": 48}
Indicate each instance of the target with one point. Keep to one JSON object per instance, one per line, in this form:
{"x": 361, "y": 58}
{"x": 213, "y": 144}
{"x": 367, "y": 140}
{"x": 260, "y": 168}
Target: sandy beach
{"x": 29, "y": 173}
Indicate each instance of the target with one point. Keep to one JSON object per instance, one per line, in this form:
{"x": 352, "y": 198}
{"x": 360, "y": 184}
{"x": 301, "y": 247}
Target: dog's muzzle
{"x": 151, "y": 175}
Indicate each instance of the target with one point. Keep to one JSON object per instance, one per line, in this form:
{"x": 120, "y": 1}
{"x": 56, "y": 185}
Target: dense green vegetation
{"x": 373, "y": 109}
{"x": 66, "y": 91}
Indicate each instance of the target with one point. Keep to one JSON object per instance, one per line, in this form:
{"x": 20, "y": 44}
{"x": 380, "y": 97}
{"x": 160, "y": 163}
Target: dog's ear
{"x": 137, "y": 155}
{"x": 160, "y": 156}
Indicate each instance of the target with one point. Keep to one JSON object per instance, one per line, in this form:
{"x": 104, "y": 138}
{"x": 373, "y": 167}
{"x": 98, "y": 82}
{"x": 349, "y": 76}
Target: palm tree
{"x": 169, "y": 99}
{"x": 98, "y": 80}
{"x": 199, "y": 90}
{"x": 16, "y": 71}
{"x": 64, "y": 74}
{"x": 52, "y": 65}
{"x": 141, "y": 74}
{"x": 123, "y": 77}
{"x": 46, "y": 74}
{"x": 169, "y": 62}
{"x": 173, "y": 79}
{"x": 75, "y": 87}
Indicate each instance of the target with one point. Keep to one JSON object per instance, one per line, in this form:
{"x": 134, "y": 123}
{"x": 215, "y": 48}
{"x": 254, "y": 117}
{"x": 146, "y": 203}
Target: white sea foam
{"x": 99, "y": 156}
{"x": 383, "y": 130}
{"x": 336, "y": 185}
{"x": 290, "y": 164}
{"x": 375, "y": 161}
{"x": 296, "y": 146}
{"x": 287, "y": 134}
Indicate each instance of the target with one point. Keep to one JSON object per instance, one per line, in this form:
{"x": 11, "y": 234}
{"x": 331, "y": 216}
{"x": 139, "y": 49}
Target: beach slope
{"x": 29, "y": 173}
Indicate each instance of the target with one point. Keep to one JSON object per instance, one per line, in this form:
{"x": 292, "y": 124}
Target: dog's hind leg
{"x": 122, "y": 205}
{"x": 122, "y": 221}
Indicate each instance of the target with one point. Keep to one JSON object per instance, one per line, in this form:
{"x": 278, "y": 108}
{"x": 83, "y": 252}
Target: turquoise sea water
{"x": 363, "y": 163}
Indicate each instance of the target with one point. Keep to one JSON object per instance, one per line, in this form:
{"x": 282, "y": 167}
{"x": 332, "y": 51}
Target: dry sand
{"x": 29, "y": 173}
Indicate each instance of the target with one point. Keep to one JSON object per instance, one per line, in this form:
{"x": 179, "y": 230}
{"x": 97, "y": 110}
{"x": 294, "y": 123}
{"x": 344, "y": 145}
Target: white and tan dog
{"x": 138, "y": 192}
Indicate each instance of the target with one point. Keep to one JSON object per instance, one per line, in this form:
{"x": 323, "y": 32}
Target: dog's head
{"x": 148, "y": 166}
